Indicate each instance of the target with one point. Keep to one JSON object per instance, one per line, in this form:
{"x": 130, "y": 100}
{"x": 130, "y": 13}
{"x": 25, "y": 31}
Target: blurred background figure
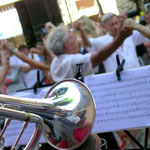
{"x": 29, "y": 77}
{"x": 46, "y": 29}
{"x": 91, "y": 27}
{"x": 48, "y": 26}
{"x": 13, "y": 79}
{"x": 122, "y": 17}
{"x": 147, "y": 18}
{"x": 38, "y": 50}
{"x": 4, "y": 61}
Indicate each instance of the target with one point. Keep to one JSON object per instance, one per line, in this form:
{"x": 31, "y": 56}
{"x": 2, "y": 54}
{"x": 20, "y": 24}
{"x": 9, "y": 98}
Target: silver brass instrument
{"x": 65, "y": 116}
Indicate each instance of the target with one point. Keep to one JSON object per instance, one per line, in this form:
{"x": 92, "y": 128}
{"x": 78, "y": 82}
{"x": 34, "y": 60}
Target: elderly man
{"x": 64, "y": 45}
{"x": 126, "y": 51}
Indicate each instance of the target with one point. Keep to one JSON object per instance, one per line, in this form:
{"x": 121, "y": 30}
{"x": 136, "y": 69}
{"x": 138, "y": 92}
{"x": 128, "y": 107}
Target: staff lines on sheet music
{"x": 129, "y": 117}
{"x": 128, "y": 102}
{"x": 120, "y": 98}
{"x": 91, "y": 84}
{"x": 114, "y": 82}
{"x": 119, "y": 112}
{"x": 120, "y": 93}
{"x": 120, "y": 105}
{"x": 137, "y": 110}
{"x": 121, "y": 86}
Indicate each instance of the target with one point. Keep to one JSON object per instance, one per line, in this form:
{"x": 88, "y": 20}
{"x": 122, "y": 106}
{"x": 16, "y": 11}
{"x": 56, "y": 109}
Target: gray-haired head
{"x": 107, "y": 17}
{"x": 56, "y": 40}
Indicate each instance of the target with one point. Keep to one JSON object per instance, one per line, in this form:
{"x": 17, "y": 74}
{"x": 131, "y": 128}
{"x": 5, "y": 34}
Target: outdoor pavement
{"x": 126, "y": 144}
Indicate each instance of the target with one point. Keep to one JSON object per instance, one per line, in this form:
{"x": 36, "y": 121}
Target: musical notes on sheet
{"x": 121, "y": 104}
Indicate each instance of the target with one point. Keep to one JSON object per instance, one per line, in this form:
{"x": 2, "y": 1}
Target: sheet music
{"x": 121, "y": 104}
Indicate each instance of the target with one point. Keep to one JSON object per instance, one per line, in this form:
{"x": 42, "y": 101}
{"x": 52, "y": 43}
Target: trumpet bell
{"x": 73, "y": 115}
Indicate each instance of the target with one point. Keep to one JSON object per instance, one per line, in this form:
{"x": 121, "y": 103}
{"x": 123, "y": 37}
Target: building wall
{"x": 125, "y": 5}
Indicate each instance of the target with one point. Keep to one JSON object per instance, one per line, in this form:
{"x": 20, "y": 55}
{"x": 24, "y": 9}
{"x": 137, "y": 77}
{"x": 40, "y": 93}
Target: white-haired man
{"x": 126, "y": 51}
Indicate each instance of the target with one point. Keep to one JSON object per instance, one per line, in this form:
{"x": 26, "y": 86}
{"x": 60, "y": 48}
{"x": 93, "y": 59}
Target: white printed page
{"x": 121, "y": 104}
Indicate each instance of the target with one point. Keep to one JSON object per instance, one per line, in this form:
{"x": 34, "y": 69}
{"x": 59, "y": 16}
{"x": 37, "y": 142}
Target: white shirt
{"x": 64, "y": 66}
{"x": 14, "y": 60}
{"x": 127, "y": 51}
{"x": 30, "y": 77}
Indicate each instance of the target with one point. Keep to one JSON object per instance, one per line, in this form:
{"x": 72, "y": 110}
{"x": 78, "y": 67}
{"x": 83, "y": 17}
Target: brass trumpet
{"x": 65, "y": 116}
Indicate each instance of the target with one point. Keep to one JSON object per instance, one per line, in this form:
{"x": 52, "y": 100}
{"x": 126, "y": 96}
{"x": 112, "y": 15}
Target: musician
{"x": 127, "y": 50}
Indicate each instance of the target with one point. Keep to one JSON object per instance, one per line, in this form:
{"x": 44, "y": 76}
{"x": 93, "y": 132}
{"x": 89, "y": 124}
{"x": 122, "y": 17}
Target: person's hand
{"x": 147, "y": 45}
{"x": 97, "y": 140}
{"x": 124, "y": 33}
{"x": 130, "y": 24}
{"x": 5, "y": 57}
{"x": 33, "y": 50}
{"x": 3, "y": 44}
{"x": 49, "y": 26}
{"x": 148, "y": 53}
{"x": 77, "y": 25}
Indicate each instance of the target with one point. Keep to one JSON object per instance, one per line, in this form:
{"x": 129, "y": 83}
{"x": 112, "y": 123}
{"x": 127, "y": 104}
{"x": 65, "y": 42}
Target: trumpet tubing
{"x": 67, "y": 110}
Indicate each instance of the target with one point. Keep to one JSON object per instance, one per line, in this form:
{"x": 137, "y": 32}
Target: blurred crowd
{"x": 93, "y": 45}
